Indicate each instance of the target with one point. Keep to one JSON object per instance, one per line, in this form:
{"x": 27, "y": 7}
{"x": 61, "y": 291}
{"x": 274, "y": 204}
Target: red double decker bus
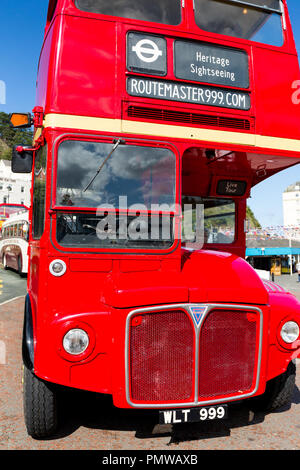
{"x": 153, "y": 120}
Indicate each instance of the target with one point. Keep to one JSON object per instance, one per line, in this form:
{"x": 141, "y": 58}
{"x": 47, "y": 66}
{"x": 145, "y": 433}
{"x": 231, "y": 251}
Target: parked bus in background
{"x": 6, "y": 210}
{"x": 14, "y": 242}
{"x": 147, "y": 143}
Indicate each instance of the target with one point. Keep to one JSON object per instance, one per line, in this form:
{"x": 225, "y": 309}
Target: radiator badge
{"x": 198, "y": 313}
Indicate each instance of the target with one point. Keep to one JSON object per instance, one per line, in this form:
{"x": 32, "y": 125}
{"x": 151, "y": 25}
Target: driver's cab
{"x": 215, "y": 187}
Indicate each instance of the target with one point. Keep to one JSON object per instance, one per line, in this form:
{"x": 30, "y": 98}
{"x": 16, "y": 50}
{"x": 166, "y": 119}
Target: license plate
{"x": 193, "y": 415}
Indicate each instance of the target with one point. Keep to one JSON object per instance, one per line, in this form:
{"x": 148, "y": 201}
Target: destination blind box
{"x": 193, "y": 62}
{"x": 188, "y": 93}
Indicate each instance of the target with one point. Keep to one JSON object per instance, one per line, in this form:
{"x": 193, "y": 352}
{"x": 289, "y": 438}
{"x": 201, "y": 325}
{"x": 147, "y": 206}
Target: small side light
{"x": 57, "y": 267}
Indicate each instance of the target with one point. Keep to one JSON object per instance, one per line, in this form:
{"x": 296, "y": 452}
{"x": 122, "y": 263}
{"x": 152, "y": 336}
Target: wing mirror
{"x": 22, "y": 159}
{"x": 20, "y": 120}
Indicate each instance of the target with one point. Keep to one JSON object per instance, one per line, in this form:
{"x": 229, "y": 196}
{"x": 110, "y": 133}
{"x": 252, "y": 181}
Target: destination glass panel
{"x": 164, "y": 11}
{"x": 209, "y": 63}
{"x": 257, "y": 23}
{"x": 188, "y": 93}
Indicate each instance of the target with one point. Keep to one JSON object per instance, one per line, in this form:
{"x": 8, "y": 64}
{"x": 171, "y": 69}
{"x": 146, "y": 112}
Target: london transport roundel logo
{"x": 147, "y": 50}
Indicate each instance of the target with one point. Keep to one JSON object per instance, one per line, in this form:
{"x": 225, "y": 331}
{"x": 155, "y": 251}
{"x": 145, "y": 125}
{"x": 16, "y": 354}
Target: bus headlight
{"x": 75, "y": 341}
{"x": 290, "y": 332}
{"x": 57, "y": 267}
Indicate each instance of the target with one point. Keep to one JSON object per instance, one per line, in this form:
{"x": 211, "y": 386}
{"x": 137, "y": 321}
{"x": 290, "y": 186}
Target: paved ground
{"x": 11, "y": 284}
{"x": 91, "y": 422}
{"x": 288, "y": 282}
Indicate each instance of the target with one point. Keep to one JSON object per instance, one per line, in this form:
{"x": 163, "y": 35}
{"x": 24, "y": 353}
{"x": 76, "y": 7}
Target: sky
{"x": 22, "y": 26}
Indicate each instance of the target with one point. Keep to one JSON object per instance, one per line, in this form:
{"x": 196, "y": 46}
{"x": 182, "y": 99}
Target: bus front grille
{"x": 161, "y": 357}
{"x": 172, "y": 358}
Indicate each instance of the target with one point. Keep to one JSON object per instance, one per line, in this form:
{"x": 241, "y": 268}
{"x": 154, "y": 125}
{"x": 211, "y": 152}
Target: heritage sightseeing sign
{"x": 211, "y": 64}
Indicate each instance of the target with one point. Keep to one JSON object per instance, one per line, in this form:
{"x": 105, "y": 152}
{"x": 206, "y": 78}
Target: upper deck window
{"x": 255, "y": 20}
{"x": 164, "y": 11}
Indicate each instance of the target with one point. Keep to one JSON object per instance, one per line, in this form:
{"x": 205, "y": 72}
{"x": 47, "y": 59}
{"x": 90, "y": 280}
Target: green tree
{"x": 10, "y": 137}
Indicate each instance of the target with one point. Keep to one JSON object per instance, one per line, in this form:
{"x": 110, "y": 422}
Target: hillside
{"x": 5, "y": 151}
{"x": 251, "y": 219}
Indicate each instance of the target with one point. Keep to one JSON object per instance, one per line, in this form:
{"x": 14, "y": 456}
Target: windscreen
{"x": 162, "y": 11}
{"x": 93, "y": 174}
{"x": 130, "y": 188}
{"x": 256, "y": 20}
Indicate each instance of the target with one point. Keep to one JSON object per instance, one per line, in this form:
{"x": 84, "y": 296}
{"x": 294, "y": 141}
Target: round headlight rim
{"x": 62, "y": 272}
{"x": 283, "y": 324}
{"x": 67, "y": 325}
{"x": 81, "y": 352}
{"x": 280, "y": 343}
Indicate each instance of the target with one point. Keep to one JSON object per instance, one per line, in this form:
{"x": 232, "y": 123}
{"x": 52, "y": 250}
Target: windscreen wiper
{"x": 119, "y": 141}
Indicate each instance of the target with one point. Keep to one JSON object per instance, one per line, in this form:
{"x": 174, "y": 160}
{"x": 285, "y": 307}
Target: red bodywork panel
{"x": 82, "y": 73}
{"x": 92, "y": 82}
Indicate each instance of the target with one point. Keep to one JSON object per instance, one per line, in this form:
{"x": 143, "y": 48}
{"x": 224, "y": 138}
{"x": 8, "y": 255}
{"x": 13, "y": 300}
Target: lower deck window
{"x": 111, "y": 230}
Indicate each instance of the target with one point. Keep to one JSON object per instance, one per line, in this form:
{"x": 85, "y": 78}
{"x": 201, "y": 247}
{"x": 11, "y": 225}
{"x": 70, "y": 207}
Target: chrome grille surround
{"x": 197, "y": 326}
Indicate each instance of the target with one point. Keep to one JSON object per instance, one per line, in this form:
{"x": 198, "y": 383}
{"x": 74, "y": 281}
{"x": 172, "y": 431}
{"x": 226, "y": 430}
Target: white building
{"x": 291, "y": 205}
{"x": 14, "y": 187}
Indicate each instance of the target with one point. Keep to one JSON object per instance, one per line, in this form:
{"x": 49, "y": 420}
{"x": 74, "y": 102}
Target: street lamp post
{"x": 9, "y": 188}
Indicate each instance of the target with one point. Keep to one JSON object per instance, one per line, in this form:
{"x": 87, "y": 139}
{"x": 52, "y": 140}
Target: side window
{"x": 217, "y": 223}
{"x": 25, "y": 231}
{"x": 39, "y": 192}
